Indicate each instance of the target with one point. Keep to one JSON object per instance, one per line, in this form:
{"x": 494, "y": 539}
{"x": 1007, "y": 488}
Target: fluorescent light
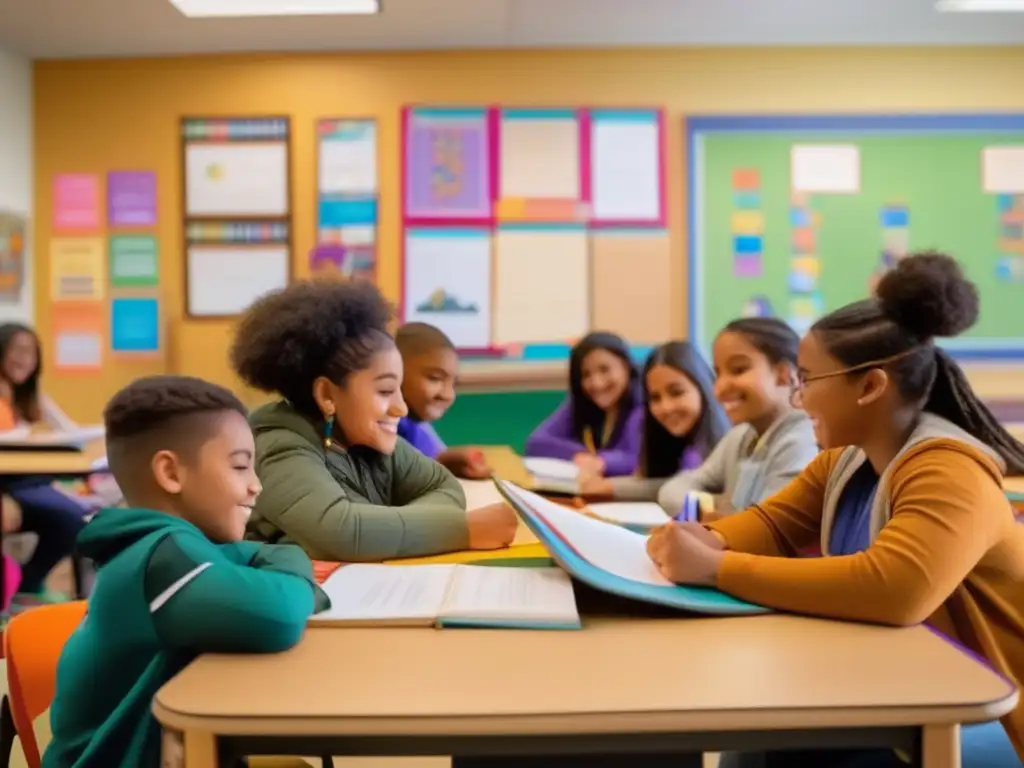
{"x": 236, "y": 8}
{"x": 980, "y": 6}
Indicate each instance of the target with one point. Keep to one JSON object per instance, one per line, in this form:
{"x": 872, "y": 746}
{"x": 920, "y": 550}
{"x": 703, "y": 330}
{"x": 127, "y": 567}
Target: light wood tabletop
{"x": 507, "y": 464}
{"x": 13, "y": 462}
{"x": 370, "y": 689}
{"x": 1014, "y": 484}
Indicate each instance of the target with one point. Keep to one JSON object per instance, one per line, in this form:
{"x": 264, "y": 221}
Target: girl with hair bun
{"x": 906, "y": 498}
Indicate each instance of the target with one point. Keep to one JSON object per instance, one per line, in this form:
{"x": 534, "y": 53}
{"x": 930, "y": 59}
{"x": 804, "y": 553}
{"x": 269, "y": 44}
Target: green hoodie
{"x": 164, "y": 594}
{"x": 350, "y": 505}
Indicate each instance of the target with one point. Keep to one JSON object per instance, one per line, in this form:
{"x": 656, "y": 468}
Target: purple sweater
{"x": 422, "y": 437}
{"x": 554, "y": 438}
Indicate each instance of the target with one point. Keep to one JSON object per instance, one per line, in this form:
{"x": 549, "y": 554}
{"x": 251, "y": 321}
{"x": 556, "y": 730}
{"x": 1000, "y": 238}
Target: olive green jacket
{"x": 350, "y": 505}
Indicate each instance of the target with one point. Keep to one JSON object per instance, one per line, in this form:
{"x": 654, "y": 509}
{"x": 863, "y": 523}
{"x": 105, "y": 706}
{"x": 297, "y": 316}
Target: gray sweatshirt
{"x": 742, "y": 467}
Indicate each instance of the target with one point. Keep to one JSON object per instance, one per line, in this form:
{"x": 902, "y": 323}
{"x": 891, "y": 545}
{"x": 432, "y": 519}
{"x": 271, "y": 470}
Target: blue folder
{"x": 695, "y": 599}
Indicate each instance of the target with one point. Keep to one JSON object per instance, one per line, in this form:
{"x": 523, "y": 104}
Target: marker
{"x": 690, "y": 512}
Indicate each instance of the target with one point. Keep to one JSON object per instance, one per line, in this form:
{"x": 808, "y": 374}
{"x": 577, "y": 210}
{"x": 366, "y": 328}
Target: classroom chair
{"x": 33, "y": 641}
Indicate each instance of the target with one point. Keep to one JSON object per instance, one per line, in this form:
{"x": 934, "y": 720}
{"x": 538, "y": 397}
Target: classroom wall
{"x": 16, "y": 172}
{"x": 94, "y": 116}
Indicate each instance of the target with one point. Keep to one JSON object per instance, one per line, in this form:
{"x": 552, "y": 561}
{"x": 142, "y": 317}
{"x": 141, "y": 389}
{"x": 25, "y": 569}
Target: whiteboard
{"x": 225, "y": 280}
{"x": 625, "y": 158}
{"x": 236, "y": 179}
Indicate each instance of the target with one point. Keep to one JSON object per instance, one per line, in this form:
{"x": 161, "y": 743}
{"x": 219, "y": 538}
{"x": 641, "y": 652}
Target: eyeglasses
{"x": 796, "y": 395}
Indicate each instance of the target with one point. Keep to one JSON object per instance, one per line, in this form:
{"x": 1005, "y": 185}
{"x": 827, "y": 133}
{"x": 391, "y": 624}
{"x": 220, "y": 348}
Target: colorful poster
{"x": 131, "y": 198}
{"x": 353, "y": 262}
{"x": 448, "y": 172}
{"x": 77, "y": 269}
{"x": 76, "y": 202}
{"x": 78, "y": 331}
{"x": 347, "y": 157}
{"x": 13, "y": 230}
{"x": 135, "y": 324}
{"x": 134, "y": 261}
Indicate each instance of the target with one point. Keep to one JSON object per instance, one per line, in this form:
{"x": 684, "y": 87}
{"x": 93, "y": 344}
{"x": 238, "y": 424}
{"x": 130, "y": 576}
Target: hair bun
{"x": 928, "y": 295}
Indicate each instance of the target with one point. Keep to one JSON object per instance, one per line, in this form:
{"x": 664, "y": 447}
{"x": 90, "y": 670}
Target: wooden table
{"x": 507, "y": 464}
{"x": 62, "y": 463}
{"x": 1014, "y": 484}
{"x": 620, "y": 685}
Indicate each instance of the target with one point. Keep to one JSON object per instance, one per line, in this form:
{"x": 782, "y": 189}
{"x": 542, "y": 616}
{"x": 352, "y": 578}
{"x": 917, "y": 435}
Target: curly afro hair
{"x": 289, "y": 338}
{"x": 926, "y": 296}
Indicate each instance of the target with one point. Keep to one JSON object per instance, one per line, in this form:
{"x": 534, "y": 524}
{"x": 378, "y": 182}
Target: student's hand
{"x": 589, "y": 463}
{"x": 492, "y": 527}
{"x": 596, "y": 486}
{"x": 467, "y": 463}
{"x": 685, "y": 556}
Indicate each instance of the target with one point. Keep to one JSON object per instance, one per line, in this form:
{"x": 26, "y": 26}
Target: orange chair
{"x": 33, "y": 641}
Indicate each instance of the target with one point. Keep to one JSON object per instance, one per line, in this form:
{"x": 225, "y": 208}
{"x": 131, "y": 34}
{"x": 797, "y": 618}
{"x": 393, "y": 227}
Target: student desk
{"x": 66, "y": 463}
{"x": 620, "y": 685}
{"x": 507, "y": 465}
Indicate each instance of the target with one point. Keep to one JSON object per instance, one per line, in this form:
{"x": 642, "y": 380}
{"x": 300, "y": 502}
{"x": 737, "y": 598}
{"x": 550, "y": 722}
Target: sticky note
{"x": 747, "y": 223}
{"x": 748, "y": 265}
{"x": 746, "y": 244}
{"x": 746, "y": 179}
{"x": 895, "y": 217}
{"x": 746, "y": 201}
{"x": 803, "y": 240}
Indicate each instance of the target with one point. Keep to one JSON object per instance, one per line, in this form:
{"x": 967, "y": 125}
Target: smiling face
{"x": 751, "y": 389}
{"x": 604, "y": 378}
{"x": 21, "y": 358}
{"x": 369, "y": 405}
{"x": 674, "y": 400}
{"x": 214, "y": 484}
{"x": 429, "y": 383}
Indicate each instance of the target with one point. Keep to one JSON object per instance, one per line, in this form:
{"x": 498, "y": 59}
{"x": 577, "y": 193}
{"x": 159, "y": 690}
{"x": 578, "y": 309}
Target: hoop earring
{"x": 328, "y": 430}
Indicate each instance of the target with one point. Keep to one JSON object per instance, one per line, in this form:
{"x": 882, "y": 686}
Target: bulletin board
{"x": 104, "y": 270}
{"x": 237, "y": 211}
{"x": 796, "y": 216}
{"x": 523, "y": 229}
{"x": 347, "y": 199}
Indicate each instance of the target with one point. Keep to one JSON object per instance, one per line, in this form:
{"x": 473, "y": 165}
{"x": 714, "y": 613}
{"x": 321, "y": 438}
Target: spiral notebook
{"x": 612, "y": 559}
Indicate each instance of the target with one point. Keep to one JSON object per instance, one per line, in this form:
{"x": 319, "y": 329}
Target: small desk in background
{"x": 57, "y": 463}
{"x": 618, "y": 686}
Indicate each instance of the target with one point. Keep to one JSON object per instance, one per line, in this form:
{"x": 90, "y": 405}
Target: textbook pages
{"x": 449, "y": 596}
{"x": 610, "y": 558}
{"x": 553, "y": 475}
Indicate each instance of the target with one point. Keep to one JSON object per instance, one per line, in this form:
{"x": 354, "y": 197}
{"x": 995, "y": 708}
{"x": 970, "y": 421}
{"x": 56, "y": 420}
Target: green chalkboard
{"x": 920, "y": 186}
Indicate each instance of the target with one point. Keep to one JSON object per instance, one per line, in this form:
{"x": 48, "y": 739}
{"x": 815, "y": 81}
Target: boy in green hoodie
{"x": 174, "y": 577}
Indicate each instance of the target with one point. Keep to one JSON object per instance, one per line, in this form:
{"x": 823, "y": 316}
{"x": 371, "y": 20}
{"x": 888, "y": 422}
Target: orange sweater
{"x": 951, "y": 554}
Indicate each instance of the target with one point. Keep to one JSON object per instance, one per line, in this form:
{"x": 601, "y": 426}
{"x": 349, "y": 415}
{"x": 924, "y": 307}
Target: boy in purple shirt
{"x": 428, "y": 386}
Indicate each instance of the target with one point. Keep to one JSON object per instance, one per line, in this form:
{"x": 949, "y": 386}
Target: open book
{"x": 553, "y": 475}
{"x": 611, "y": 558}
{"x": 632, "y": 514}
{"x": 58, "y": 440}
{"x": 449, "y": 596}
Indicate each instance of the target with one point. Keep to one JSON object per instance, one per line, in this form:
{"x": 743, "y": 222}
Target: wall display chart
{"x": 238, "y": 214}
{"x": 13, "y": 237}
{"x": 104, "y": 269}
{"x": 795, "y": 216}
{"x": 523, "y": 229}
{"x": 347, "y": 199}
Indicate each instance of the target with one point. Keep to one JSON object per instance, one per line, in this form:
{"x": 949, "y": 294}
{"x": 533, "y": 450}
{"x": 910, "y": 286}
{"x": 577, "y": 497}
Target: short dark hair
{"x": 418, "y": 338}
{"x": 660, "y": 451}
{"x": 925, "y": 296}
{"x": 770, "y": 336}
{"x": 312, "y": 328}
{"x": 161, "y": 412}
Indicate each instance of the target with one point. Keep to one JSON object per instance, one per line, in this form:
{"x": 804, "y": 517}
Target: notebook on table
{"x": 556, "y": 476}
{"x": 613, "y": 559}
{"x": 377, "y": 595}
{"x": 635, "y": 515}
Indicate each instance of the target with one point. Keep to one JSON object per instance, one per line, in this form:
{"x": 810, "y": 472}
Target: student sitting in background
{"x": 337, "y": 478}
{"x": 911, "y": 516}
{"x": 175, "y": 580}
{"x": 431, "y": 366}
{"x": 755, "y": 365}
{"x": 682, "y": 423}
{"x": 55, "y": 517}
{"x": 598, "y": 425}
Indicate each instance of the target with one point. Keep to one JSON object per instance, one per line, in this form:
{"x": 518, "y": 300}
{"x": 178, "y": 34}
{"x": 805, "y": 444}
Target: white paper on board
{"x": 626, "y": 174}
{"x": 1002, "y": 170}
{"x": 225, "y": 280}
{"x": 236, "y": 179}
{"x": 825, "y": 168}
{"x": 540, "y": 159}
{"x": 348, "y": 164}
{"x": 448, "y": 283}
{"x": 79, "y": 350}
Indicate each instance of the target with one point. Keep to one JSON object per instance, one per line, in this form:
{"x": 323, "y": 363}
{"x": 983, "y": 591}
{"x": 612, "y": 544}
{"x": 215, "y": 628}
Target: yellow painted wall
{"x": 94, "y": 116}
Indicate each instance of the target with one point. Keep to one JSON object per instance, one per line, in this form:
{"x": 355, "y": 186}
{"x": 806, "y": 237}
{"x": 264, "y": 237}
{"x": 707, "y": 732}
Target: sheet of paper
{"x": 544, "y": 468}
{"x": 540, "y": 155}
{"x": 348, "y": 157}
{"x": 605, "y": 545}
{"x": 225, "y": 279}
{"x": 630, "y": 512}
{"x": 1002, "y": 170}
{"x": 625, "y": 156}
{"x": 77, "y": 269}
{"x": 236, "y": 179}
{"x": 480, "y": 493}
{"x": 825, "y": 168}
{"x": 523, "y": 593}
{"x": 375, "y": 592}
